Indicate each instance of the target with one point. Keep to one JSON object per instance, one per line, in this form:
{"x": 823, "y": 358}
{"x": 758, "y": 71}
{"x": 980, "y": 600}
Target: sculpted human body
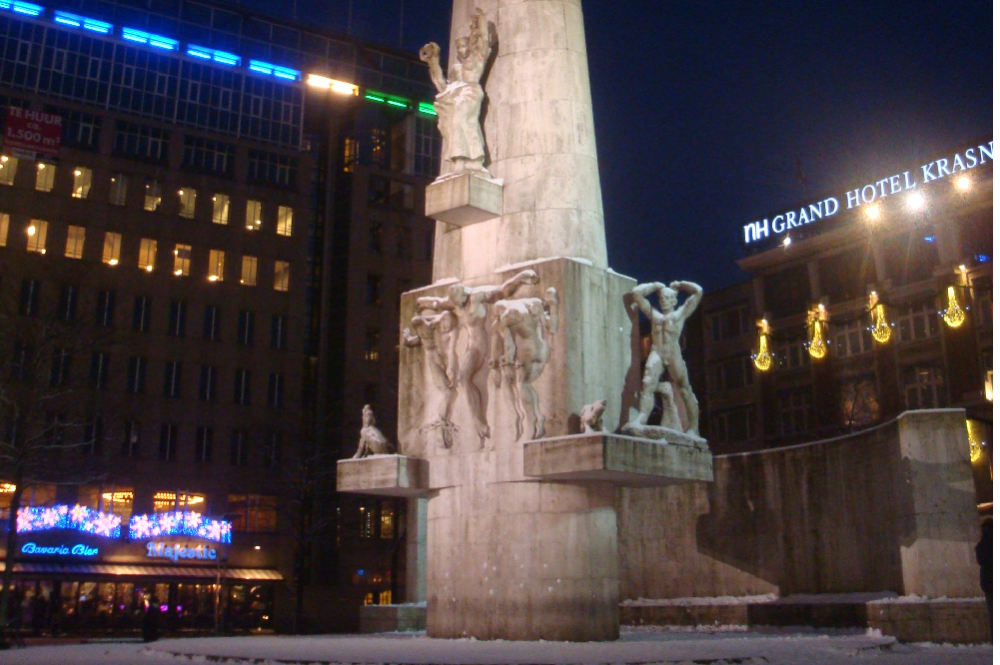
{"x": 521, "y": 350}
{"x": 667, "y": 325}
{"x": 460, "y": 97}
{"x": 372, "y": 441}
{"x": 469, "y": 306}
{"x": 436, "y": 334}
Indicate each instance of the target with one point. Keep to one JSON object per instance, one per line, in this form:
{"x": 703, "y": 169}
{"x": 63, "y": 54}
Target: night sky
{"x": 704, "y": 110}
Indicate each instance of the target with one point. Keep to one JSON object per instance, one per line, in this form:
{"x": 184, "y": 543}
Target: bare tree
{"x": 51, "y": 423}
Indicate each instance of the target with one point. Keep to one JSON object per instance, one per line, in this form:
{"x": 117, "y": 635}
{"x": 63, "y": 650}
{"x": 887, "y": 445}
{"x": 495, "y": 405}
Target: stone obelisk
{"x": 524, "y": 334}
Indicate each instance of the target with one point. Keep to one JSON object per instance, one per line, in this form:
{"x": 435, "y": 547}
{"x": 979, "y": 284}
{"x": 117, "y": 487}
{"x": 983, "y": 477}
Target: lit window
{"x": 74, "y": 242}
{"x": 248, "y": 275}
{"x": 4, "y": 227}
{"x": 8, "y": 170}
{"x": 216, "y": 265}
{"x": 46, "y": 177}
{"x": 112, "y": 248}
{"x": 281, "y": 270}
{"x": 37, "y": 231}
{"x": 388, "y": 519}
{"x": 82, "y": 177}
{"x": 119, "y": 187}
{"x": 153, "y": 197}
{"x": 385, "y": 597}
{"x": 182, "y": 260}
{"x": 188, "y": 197}
{"x": 168, "y": 502}
{"x": 253, "y": 215}
{"x": 371, "y": 345}
{"x": 284, "y": 221}
{"x": 147, "y": 254}
{"x": 220, "y": 208}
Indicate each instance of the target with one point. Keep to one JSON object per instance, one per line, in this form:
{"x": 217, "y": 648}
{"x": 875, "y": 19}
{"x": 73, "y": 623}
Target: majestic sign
{"x": 890, "y": 186}
{"x": 178, "y": 551}
{"x": 79, "y": 549}
{"x": 32, "y": 131}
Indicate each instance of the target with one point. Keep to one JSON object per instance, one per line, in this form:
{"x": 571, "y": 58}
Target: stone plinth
{"x": 464, "y": 199}
{"x": 383, "y": 475}
{"x": 411, "y": 617}
{"x": 622, "y": 460}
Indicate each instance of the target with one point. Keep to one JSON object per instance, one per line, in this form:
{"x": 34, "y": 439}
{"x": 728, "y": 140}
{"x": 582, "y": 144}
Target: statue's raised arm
{"x": 640, "y": 294}
{"x": 431, "y": 54}
{"x": 694, "y": 298}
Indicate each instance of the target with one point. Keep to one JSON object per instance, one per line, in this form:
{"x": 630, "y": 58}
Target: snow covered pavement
{"x": 646, "y": 647}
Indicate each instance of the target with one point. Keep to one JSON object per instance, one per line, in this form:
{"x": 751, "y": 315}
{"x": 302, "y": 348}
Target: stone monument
{"x": 516, "y": 531}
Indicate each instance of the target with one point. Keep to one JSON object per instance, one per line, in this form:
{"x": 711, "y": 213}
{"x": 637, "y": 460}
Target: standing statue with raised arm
{"x": 460, "y": 97}
{"x": 667, "y": 325}
{"x": 469, "y": 306}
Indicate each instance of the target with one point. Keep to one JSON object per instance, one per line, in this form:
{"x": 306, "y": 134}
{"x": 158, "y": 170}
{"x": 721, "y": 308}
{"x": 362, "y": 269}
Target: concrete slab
{"x": 383, "y": 475}
{"x": 464, "y": 200}
{"x": 622, "y": 460}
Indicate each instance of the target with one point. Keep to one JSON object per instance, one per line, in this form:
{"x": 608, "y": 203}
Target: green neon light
{"x": 393, "y": 102}
{"x": 374, "y": 98}
{"x": 426, "y": 107}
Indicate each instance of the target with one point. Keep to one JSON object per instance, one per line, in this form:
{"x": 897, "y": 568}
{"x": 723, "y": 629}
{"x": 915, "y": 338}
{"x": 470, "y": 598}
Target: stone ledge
{"x": 393, "y": 618}
{"x": 622, "y": 460}
{"x": 383, "y": 475}
{"x": 464, "y": 199}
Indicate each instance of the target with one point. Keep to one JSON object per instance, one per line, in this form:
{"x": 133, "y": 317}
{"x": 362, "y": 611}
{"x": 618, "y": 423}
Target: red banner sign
{"x": 32, "y": 131}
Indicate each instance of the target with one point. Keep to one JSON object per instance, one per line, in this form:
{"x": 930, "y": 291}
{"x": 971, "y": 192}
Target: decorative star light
{"x": 180, "y": 524}
{"x": 77, "y": 518}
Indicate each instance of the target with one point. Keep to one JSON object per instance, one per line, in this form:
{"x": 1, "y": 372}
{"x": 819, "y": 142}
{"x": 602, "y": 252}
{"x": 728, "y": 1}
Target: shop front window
{"x": 168, "y": 502}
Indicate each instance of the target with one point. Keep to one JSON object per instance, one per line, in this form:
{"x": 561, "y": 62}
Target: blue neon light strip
{"x": 220, "y": 57}
{"x": 158, "y": 41}
{"x": 273, "y": 70}
{"x": 76, "y": 518}
{"x": 72, "y": 20}
{"x": 22, "y": 8}
{"x": 180, "y": 524}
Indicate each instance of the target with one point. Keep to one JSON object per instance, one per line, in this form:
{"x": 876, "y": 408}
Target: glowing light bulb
{"x": 953, "y": 315}
{"x": 77, "y": 172}
{"x": 41, "y": 167}
{"x": 763, "y": 359}
{"x": 881, "y": 330}
{"x": 915, "y": 202}
{"x": 149, "y": 268}
{"x": 787, "y": 241}
{"x": 178, "y": 272}
{"x": 964, "y": 183}
{"x": 113, "y": 262}
{"x": 213, "y": 278}
{"x": 817, "y": 349}
{"x": 873, "y": 212}
{"x": 3, "y": 159}
{"x": 31, "y": 230}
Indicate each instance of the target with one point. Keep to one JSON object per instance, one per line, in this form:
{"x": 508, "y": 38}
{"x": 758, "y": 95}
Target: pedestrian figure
{"x": 151, "y": 621}
{"x": 984, "y": 556}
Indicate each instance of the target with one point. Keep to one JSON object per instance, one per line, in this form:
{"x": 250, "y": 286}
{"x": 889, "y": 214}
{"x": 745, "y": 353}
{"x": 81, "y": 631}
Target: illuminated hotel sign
{"x": 78, "y": 549}
{"x": 177, "y": 551}
{"x": 971, "y": 158}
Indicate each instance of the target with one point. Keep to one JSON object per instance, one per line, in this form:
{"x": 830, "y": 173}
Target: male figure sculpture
{"x": 469, "y": 307}
{"x": 460, "y": 98}
{"x": 520, "y": 352}
{"x": 667, "y": 325}
{"x": 372, "y": 442}
{"x": 436, "y": 334}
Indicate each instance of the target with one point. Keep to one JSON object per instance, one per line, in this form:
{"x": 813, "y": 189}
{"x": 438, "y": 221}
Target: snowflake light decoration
{"x": 76, "y": 518}
{"x": 180, "y": 524}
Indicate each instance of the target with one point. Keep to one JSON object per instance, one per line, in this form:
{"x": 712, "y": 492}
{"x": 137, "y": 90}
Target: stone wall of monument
{"x": 888, "y": 509}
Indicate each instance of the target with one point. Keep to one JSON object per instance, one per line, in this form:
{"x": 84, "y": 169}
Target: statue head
{"x": 668, "y": 299}
{"x": 367, "y": 416}
{"x": 458, "y": 294}
{"x": 462, "y": 48}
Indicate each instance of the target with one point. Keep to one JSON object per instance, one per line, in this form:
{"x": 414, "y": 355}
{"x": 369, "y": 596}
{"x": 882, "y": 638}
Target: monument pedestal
{"x": 465, "y": 199}
{"x": 383, "y": 475}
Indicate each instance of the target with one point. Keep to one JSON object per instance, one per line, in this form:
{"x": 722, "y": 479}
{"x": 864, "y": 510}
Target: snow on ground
{"x": 646, "y": 647}
{"x": 687, "y": 602}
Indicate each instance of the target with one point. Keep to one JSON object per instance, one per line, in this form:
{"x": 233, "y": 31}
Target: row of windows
{"x": 37, "y": 234}
{"x": 187, "y": 197}
{"x": 122, "y": 77}
{"x": 106, "y": 301}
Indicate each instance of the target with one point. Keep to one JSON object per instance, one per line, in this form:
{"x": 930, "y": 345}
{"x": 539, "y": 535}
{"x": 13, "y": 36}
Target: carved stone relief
{"x": 592, "y": 417}
{"x": 437, "y": 333}
{"x": 521, "y": 348}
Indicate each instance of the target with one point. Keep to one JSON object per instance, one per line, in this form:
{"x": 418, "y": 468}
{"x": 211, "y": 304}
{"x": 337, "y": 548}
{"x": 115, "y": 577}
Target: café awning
{"x": 127, "y": 571}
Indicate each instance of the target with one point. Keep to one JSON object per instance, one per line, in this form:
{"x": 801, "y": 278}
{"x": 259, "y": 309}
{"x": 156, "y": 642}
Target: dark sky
{"x": 702, "y": 109}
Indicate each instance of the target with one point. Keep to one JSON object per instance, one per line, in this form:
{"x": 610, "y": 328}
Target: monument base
{"x": 464, "y": 199}
{"x": 411, "y": 617}
{"x": 383, "y": 475}
{"x": 622, "y": 460}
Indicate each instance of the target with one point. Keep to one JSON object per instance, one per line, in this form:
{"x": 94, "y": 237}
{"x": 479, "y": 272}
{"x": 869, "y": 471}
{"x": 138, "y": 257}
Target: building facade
{"x": 859, "y": 307}
{"x": 226, "y": 243}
